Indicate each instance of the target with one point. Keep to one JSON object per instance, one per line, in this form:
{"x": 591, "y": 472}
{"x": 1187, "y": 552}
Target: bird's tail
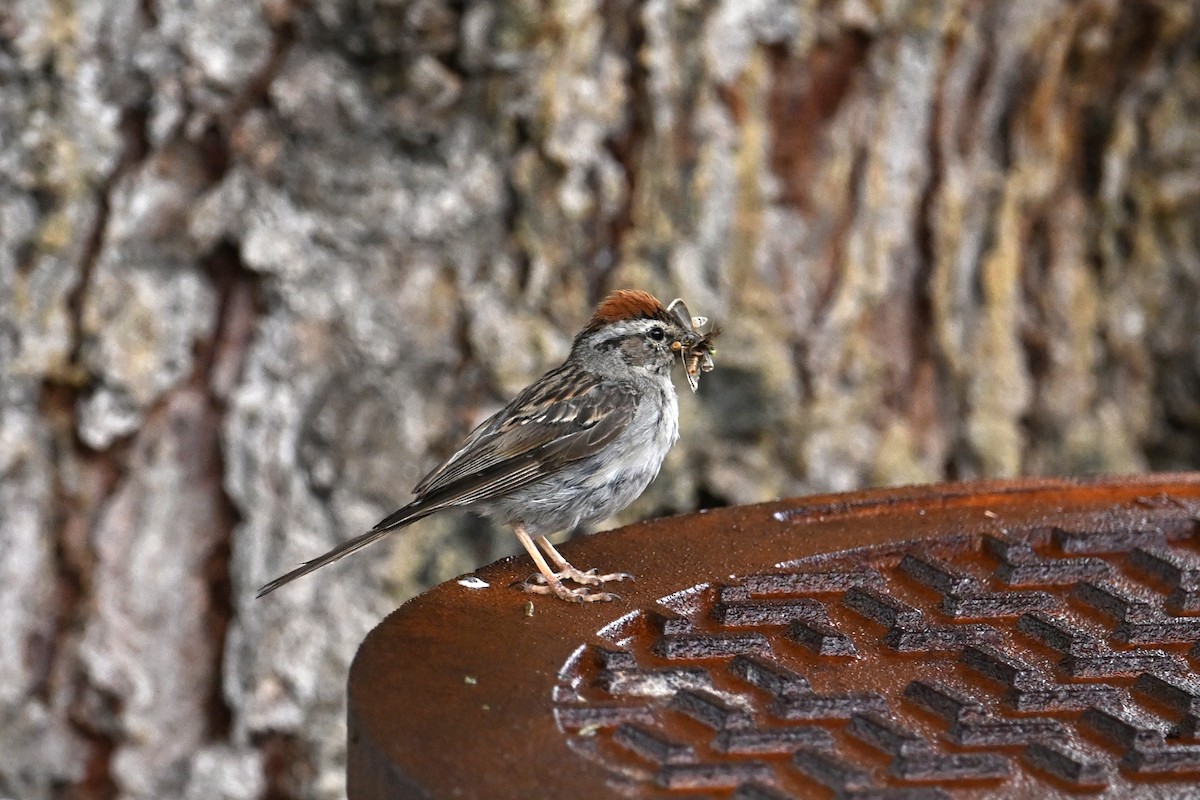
{"x": 399, "y": 519}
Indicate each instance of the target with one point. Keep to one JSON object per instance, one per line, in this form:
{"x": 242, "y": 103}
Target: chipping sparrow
{"x": 577, "y": 445}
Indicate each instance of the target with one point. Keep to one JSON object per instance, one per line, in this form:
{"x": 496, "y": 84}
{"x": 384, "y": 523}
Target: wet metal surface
{"x": 1000, "y": 640}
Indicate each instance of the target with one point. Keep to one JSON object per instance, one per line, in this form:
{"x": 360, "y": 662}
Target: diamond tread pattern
{"x": 1066, "y": 658}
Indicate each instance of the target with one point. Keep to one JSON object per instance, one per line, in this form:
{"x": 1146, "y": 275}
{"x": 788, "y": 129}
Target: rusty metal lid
{"x": 1000, "y": 640}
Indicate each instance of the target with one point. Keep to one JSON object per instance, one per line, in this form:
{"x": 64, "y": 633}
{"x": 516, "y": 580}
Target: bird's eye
{"x": 657, "y": 334}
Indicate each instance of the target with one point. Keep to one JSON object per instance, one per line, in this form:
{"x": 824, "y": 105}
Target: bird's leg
{"x": 553, "y": 583}
{"x": 568, "y": 572}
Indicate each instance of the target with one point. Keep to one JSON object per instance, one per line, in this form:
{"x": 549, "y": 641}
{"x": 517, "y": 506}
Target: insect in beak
{"x": 695, "y": 348}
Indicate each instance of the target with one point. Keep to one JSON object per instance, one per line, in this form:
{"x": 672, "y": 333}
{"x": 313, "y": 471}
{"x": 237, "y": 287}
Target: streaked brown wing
{"x": 565, "y": 416}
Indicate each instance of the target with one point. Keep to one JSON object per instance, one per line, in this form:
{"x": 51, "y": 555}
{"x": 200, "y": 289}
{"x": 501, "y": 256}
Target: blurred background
{"x": 265, "y": 262}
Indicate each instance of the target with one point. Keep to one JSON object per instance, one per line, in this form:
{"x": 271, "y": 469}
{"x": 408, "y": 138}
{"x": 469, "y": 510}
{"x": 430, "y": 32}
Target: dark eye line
{"x": 614, "y": 341}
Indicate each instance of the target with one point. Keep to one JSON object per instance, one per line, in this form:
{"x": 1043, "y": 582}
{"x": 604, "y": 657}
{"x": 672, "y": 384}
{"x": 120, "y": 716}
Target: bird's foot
{"x": 538, "y": 584}
{"x": 589, "y": 577}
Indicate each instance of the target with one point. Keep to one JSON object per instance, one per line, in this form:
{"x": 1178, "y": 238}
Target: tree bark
{"x": 263, "y": 264}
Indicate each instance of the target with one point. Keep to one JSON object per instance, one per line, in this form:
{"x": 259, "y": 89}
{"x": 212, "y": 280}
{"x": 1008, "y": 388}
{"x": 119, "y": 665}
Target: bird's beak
{"x": 694, "y": 346}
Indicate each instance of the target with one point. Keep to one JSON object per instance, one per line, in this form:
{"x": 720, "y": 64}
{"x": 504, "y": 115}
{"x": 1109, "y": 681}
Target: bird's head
{"x": 632, "y": 329}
